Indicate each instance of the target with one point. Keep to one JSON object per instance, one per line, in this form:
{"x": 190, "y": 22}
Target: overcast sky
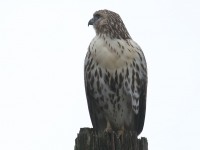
{"x": 42, "y": 48}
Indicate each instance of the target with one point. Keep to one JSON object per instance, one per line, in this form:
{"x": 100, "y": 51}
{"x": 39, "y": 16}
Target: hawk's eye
{"x": 96, "y": 17}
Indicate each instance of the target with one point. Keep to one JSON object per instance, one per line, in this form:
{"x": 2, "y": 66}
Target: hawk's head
{"x": 109, "y": 23}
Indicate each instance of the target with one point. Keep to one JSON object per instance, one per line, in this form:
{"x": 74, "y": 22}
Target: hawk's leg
{"x": 109, "y": 130}
{"x": 120, "y": 134}
{"x": 108, "y": 127}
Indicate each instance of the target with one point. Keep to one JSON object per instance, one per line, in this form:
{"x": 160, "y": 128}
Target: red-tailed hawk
{"x": 115, "y": 75}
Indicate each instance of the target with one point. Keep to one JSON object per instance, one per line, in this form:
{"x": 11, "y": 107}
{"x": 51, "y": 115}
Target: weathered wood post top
{"x": 87, "y": 139}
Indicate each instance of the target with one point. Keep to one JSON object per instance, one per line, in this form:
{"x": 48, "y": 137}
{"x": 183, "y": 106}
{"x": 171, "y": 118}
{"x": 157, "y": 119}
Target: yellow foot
{"x": 120, "y": 134}
{"x": 108, "y": 128}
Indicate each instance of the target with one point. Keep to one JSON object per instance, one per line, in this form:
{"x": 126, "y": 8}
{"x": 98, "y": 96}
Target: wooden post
{"x": 87, "y": 139}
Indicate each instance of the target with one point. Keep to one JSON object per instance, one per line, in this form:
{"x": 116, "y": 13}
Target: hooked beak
{"x": 91, "y": 22}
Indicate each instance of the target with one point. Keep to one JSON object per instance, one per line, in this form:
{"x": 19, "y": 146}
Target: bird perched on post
{"x": 115, "y": 74}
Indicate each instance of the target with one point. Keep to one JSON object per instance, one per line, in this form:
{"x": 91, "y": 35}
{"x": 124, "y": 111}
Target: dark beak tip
{"x": 91, "y": 21}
